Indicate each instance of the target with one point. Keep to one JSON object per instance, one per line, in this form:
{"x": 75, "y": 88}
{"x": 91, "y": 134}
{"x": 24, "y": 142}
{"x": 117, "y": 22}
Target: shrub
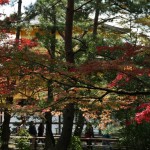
{"x": 136, "y": 136}
{"x": 75, "y": 143}
{"x": 23, "y": 142}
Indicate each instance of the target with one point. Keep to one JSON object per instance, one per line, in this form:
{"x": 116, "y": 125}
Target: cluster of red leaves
{"x": 3, "y": 87}
{"x": 22, "y": 43}
{"x": 119, "y": 77}
{"x": 2, "y": 2}
{"x": 128, "y": 49}
{"x": 128, "y": 122}
{"x": 10, "y": 19}
{"x": 143, "y": 115}
{"x": 97, "y": 66}
{"x": 6, "y": 87}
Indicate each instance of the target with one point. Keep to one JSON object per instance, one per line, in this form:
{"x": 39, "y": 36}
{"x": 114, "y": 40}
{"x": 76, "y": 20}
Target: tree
{"x": 9, "y": 99}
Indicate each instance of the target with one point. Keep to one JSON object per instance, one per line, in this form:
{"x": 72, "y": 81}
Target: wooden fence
{"x": 96, "y": 143}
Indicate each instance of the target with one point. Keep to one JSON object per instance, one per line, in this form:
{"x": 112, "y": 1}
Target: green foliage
{"x": 111, "y": 129}
{"x": 23, "y": 142}
{"x": 75, "y": 143}
{"x": 136, "y": 136}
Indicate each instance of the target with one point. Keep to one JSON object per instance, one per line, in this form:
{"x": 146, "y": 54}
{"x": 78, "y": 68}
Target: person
{"x": 33, "y": 133}
{"x": 32, "y": 129}
{"x": 89, "y": 134}
{"x": 40, "y": 131}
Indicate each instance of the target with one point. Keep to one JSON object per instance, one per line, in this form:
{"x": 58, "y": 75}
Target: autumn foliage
{"x": 144, "y": 114}
{"x": 2, "y": 2}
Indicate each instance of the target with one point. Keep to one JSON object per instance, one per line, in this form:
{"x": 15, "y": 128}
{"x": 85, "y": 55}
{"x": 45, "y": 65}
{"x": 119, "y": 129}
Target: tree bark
{"x": 5, "y": 130}
{"x": 68, "y": 114}
{"x": 18, "y": 20}
{"x": 79, "y": 125}
{"x": 65, "y": 138}
{"x": 68, "y": 32}
{"x": 49, "y": 140}
{"x": 96, "y": 18}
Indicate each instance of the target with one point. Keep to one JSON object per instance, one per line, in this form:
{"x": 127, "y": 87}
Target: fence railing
{"x": 96, "y": 142}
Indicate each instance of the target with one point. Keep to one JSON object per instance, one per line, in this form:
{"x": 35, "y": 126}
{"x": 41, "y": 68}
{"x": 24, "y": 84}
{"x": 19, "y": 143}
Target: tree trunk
{"x": 68, "y": 115}
{"x": 96, "y": 18}
{"x": 18, "y": 20}
{"x": 68, "y": 32}
{"x": 79, "y": 125}
{"x": 5, "y": 130}
{"x": 49, "y": 140}
{"x": 65, "y": 138}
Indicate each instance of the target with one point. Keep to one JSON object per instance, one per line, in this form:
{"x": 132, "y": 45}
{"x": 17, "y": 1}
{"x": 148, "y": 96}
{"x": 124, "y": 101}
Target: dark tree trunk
{"x": 5, "y": 130}
{"x": 68, "y": 32}
{"x": 79, "y": 125}
{"x": 96, "y": 18}
{"x": 65, "y": 138}
{"x": 18, "y": 20}
{"x": 68, "y": 115}
{"x": 49, "y": 140}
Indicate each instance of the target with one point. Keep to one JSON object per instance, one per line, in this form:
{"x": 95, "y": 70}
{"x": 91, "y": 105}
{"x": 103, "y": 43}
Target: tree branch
{"x": 83, "y": 5}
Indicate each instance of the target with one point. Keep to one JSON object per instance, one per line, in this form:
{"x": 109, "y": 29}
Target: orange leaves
{"x": 46, "y": 110}
{"x": 23, "y": 43}
{"x": 89, "y": 114}
{"x": 124, "y": 102}
{"x": 105, "y": 119}
{"x": 56, "y": 113}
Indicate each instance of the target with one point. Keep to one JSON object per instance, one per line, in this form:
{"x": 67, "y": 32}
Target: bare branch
{"x": 83, "y": 5}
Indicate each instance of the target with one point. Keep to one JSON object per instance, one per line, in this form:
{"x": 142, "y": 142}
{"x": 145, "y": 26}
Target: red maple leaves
{"x": 143, "y": 115}
{"x": 119, "y": 77}
{"x": 129, "y": 67}
{"x": 2, "y": 2}
{"x": 12, "y": 56}
{"x": 22, "y": 43}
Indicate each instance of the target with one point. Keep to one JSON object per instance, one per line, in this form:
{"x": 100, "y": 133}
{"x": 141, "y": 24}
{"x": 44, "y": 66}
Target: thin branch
{"x": 83, "y": 5}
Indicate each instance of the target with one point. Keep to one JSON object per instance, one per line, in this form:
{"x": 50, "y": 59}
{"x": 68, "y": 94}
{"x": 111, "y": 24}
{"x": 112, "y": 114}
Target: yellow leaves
{"x": 98, "y": 104}
{"x": 144, "y": 21}
{"x": 56, "y": 113}
{"x": 90, "y": 115}
{"x": 2, "y": 105}
{"x": 128, "y": 68}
